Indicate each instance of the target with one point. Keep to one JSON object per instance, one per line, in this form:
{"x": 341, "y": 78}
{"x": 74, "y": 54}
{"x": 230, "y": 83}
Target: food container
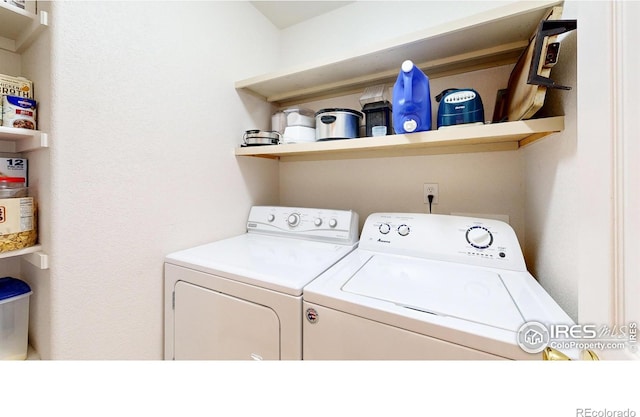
{"x": 14, "y": 318}
{"x": 295, "y": 116}
{"x": 12, "y": 187}
{"x": 337, "y": 124}
{"x": 18, "y": 112}
{"x": 18, "y": 221}
{"x": 14, "y": 86}
{"x": 14, "y": 167}
{"x": 299, "y": 134}
{"x": 257, "y": 137}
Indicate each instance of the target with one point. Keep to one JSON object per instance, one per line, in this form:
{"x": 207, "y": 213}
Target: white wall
{"x": 350, "y": 29}
{"x": 536, "y": 187}
{"x": 145, "y": 120}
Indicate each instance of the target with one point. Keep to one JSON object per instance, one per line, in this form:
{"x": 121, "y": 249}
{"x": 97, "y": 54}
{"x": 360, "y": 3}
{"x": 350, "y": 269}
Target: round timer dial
{"x": 479, "y": 237}
{"x": 293, "y": 220}
{"x": 403, "y": 230}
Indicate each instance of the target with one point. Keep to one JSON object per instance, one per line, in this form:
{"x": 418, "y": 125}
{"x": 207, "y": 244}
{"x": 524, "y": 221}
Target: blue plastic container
{"x": 411, "y": 100}
{"x": 14, "y": 318}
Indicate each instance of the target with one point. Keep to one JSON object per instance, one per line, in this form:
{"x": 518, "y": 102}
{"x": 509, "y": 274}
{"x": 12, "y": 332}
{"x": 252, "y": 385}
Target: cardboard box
{"x": 28, "y": 5}
{"x": 14, "y": 86}
{"x": 15, "y": 167}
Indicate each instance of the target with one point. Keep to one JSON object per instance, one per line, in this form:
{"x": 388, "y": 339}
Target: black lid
{"x": 376, "y": 106}
{"x": 338, "y": 110}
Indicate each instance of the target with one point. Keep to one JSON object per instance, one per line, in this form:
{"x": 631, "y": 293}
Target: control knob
{"x": 333, "y": 223}
{"x": 384, "y": 228}
{"x": 403, "y": 230}
{"x": 271, "y": 218}
{"x": 479, "y": 237}
{"x": 293, "y": 220}
{"x": 318, "y": 222}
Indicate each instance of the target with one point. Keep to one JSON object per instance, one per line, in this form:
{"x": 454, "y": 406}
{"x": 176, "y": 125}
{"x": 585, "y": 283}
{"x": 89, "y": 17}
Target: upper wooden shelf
{"x": 19, "y": 28}
{"x": 493, "y": 38}
{"x": 459, "y": 139}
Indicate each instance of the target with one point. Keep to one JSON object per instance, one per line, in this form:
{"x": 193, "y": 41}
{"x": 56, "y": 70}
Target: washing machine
{"x": 241, "y": 297}
{"x": 428, "y": 286}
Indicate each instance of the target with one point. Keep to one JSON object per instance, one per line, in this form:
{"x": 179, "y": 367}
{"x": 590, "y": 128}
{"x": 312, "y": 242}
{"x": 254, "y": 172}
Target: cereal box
{"x": 28, "y": 5}
{"x": 15, "y": 167}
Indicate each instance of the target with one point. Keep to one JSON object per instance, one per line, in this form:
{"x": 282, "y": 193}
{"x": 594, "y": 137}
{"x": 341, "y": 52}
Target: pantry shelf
{"x": 460, "y": 139}
{"x": 19, "y": 28}
{"x": 32, "y": 254}
{"x": 489, "y": 39}
{"x": 22, "y": 140}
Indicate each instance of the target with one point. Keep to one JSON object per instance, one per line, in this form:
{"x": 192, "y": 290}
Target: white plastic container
{"x": 14, "y": 318}
{"x": 295, "y": 116}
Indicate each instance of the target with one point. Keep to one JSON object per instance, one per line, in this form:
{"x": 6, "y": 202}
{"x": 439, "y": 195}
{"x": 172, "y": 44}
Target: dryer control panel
{"x": 469, "y": 240}
{"x": 327, "y": 225}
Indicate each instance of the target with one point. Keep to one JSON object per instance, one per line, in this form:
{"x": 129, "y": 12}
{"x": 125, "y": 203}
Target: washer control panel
{"x": 475, "y": 241}
{"x": 340, "y": 226}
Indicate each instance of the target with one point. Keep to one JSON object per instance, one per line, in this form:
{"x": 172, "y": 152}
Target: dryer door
{"x": 212, "y": 325}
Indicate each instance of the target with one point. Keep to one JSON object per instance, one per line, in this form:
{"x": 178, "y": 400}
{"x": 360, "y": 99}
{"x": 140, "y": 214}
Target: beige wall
{"x": 144, "y": 122}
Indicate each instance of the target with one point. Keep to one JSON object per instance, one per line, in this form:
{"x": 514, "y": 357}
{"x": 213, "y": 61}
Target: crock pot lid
{"x": 338, "y": 110}
{"x": 12, "y": 287}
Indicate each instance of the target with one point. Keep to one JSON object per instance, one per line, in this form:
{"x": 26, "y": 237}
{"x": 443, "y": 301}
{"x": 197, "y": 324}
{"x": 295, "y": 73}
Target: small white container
{"x": 14, "y": 318}
{"x": 295, "y": 116}
{"x": 298, "y": 134}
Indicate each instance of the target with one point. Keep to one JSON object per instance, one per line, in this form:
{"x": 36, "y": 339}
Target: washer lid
{"x": 460, "y": 291}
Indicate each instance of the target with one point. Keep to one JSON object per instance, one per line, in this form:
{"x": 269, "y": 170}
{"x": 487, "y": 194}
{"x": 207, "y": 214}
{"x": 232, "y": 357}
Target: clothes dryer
{"x": 241, "y": 297}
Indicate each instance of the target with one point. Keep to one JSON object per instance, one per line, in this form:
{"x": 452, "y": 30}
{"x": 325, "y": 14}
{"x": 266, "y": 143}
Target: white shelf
{"x": 22, "y": 140}
{"x": 32, "y": 254}
{"x": 459, "y": 139}
{"x": 19, "y": 28}
{"x": 493, "y": 38}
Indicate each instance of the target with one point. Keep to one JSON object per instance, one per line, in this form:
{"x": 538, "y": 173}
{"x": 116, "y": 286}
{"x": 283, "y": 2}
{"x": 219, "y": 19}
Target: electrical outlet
{"x": 433, "y": 190}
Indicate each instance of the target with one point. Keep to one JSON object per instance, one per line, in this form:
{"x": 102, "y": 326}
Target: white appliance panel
{"x": 210, "y": 325}
{"x": 275, "y": 263}
{"x": 464, "y": 240}
{"x": 438, "y": 288}
{"x": 338, "y": 335}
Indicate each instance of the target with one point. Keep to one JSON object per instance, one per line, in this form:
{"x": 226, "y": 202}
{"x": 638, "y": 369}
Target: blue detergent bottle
{"x": 411, "y": 100}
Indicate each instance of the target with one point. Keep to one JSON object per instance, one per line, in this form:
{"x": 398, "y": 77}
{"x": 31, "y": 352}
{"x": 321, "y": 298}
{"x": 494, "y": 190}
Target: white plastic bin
{"x": 14, "y": 318}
